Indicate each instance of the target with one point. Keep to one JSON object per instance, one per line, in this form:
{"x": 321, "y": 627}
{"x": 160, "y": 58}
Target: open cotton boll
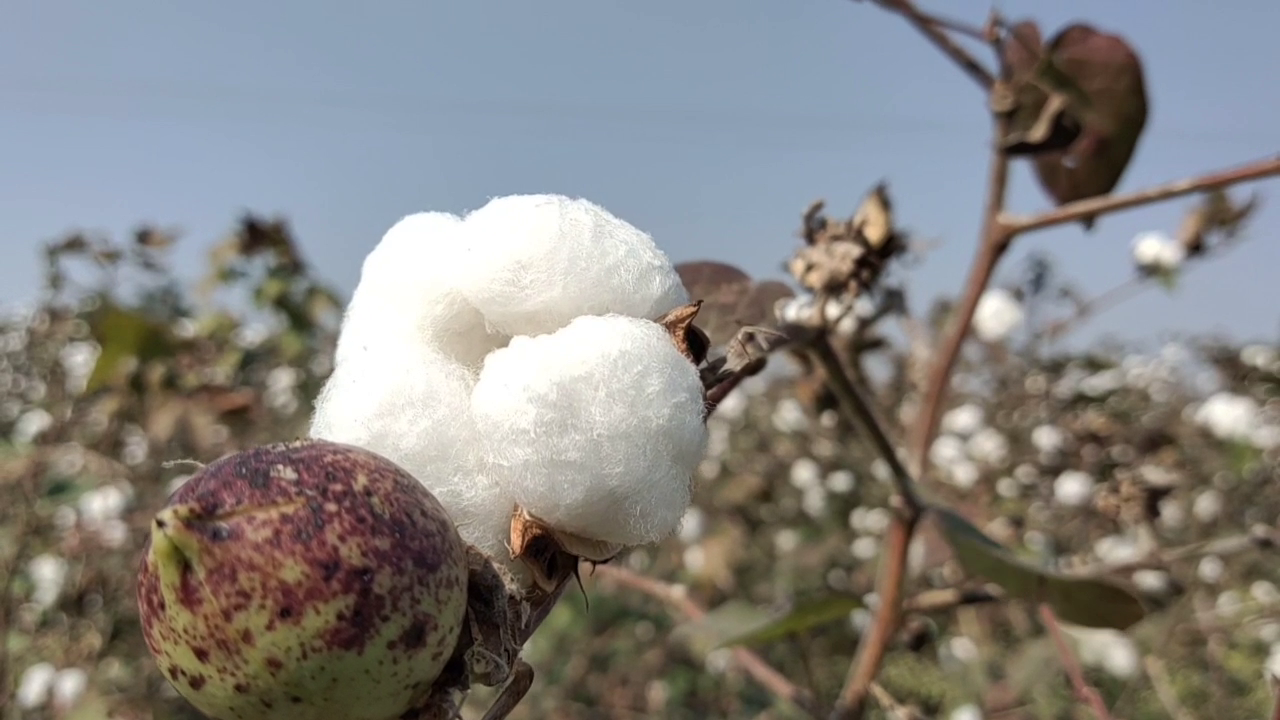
{"x": 535, "y": 262}
{"x": 595, "y": 429}
{"x": 407, "y": 291}
{"x": 410, "y": 405}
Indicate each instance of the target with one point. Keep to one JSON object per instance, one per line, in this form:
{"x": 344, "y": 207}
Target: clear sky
{"x": 710, "y": 124}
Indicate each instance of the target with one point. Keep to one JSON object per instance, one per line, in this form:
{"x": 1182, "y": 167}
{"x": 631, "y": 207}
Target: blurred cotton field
{"x": 1157, "y": 463}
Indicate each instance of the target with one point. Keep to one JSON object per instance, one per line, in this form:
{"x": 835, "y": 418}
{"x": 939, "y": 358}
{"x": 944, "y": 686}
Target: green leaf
{"x": 805, "y": 616}
{"x": 1088, "y": 601}
{"x": 729, "y": 620}
{"x": 123, "y": 334}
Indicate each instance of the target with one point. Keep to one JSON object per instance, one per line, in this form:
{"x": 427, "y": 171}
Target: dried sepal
{"x": 552, "y": 555}
{"x": 688, "y": 339}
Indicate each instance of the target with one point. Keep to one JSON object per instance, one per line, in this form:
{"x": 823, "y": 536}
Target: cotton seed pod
{"x": 407, "y": 293}
{"x": 595, "y": 429}
{"x": 535, "y": 262}
{"x": 302, "y": 581}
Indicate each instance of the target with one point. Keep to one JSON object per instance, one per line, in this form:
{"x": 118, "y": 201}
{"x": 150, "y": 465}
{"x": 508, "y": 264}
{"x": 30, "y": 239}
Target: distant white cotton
{"x": 998, "y": 314}
{"x": 1229, "y": 416}
{"x": 964, "y": 420}
{"x": 1049, "y": 438}
{"x": 35, "y": 685}
{"x": 532, "y": 263}
{"x": 408, "y": 291}
{"x": 1157, "y": 252}
{"x": 411, "y": 405}
{"x": 989, "y": 446}
{"x": 1073, "y": 488}
{"x": 596, "y": 428}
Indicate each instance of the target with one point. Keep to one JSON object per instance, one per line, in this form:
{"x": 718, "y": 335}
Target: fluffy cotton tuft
{"x": 1157, "y": 252}
{"x": 410, "y": 404}
{"x": 997, "y": 316}
{"x": 596, "y": 429}
{"x": 407, "y": 292}
{"x": 532, "y": 263}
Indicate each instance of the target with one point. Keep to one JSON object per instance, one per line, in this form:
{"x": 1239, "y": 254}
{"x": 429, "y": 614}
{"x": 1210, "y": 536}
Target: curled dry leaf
{"x": 1216, "y": 213}
{"x": 1089, "y": 601}
{"x": 735, "y": 334}
{"x": 1078, "y": 105}
{"x": 730, "y": 298}
{"x": 847, "y": 256}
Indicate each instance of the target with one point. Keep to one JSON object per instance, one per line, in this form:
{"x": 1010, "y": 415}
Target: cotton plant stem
{"x": 1073, "y": 211}
{"x": 1085, "y": 692}
{"x": 934, "y": 30}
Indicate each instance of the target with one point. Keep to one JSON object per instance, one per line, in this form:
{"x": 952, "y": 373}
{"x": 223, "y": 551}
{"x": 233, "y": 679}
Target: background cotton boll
{"x": 997, "y": 316}
{"x": 532, "y": 263}
{"x": 410, "y": 405}
{"x": 595, "y": 429}
{"x": 407, "y": 291}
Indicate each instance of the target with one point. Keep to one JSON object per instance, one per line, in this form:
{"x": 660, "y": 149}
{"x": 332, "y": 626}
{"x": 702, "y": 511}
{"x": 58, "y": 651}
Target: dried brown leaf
{"x": 1081, "y": 106}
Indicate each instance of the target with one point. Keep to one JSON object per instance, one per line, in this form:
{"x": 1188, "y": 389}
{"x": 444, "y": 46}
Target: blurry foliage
{"x": 116, "y": 372}
{"x": 121, "y": 371}
{"x": 110, "y": 380}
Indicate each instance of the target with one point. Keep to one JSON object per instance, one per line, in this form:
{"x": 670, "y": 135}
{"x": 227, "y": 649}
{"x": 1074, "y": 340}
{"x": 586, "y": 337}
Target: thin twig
{"x": 944, "y": 599}
{"x": 932, "y": 28}
{"x": 995, "y": 241}
{"x": 8, "y": 604}
{"x": 1122, "y": 292}
{"x": 860, "y": 412}
{"x": 892, "y": 708}
{"x": 1165, "y": 693}
{"x": 1085, "y": 692}
{"x": 1263, "y": 538}
{"x": 1074, "y": 211}
{"x": 875, "y": 642}
{"x": 893, "y": 561}
{"x": 751, "y": 663}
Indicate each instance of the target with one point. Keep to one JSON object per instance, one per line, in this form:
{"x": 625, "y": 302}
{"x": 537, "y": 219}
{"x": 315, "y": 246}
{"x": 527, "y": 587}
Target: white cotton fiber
{"x": 407, "y": 289}
{"x": 534, "y": 262}
{"x": 596, "y": 428}
{"x": 409, "y": 403}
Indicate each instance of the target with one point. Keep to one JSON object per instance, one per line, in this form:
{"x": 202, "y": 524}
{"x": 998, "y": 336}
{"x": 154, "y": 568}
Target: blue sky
{"x": 710, "y": 124}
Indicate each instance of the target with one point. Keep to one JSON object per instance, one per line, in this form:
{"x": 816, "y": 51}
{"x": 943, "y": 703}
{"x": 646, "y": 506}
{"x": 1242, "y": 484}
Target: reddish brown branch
{"x": 1085, "y": 692}
{"x": 1074, "y": 211}
{"x": 752, "y": 664}
{"x": 875, "y": 643}
{"x": 933, "y": 29}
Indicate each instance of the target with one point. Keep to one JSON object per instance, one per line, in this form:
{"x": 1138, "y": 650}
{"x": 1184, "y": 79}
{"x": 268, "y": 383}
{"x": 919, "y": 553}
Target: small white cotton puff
{"x": 410, "y": 404}
{"x": 596, "y": 429}
{"x": 34, "y": 686}
{"x": 532, "y": 263}
{"x": 997, "y": 316}
{"x": 407, "y": 290}
{"x": 1157, "y": 252}
{"x": 1229, "y": 416}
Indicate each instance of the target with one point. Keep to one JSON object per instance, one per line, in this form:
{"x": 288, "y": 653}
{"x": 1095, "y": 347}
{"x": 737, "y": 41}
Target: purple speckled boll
{"x": 303, "y": 581}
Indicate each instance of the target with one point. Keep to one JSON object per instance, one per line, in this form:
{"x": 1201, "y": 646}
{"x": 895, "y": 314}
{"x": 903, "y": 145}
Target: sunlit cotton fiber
{"x": 532, "y": 263}
{"x": 596, "y": 428}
